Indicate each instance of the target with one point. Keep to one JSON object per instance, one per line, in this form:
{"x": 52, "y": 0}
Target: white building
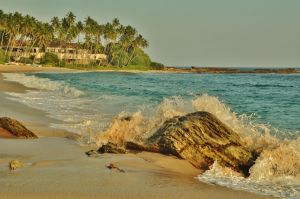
{"x": 69, "y": 54}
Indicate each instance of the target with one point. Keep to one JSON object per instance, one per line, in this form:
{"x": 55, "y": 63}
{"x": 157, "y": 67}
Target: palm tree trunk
{"x": 2, "y": 38}
{"x": 131, "y": 58}
{"x": 20, "y": 45}
{"x": 8, "y": 43}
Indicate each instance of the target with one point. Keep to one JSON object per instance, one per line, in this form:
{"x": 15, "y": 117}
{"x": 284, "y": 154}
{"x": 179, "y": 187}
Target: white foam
{"x": 32, "y": 81}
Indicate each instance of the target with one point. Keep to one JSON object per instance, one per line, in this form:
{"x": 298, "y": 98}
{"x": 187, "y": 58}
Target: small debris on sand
{"x": 112, "y": 166}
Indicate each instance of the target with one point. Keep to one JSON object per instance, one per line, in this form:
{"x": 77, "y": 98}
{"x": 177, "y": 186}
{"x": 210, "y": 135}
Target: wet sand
{"x": 57, "y": 168}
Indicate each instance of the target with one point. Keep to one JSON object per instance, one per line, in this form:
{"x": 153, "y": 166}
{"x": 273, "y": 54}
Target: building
{"x": 69, "y": 53}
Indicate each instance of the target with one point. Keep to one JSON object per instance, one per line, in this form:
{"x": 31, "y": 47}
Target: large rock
{"x": 15, "y": 128}
{"x": 200, "y": 138}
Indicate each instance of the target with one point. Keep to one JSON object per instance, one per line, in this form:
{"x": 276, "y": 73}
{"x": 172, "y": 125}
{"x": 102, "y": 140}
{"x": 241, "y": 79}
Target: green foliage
{"x": 62, "y": 63}
{"x": 50, "y": 59}
{"x": 121, "y": 44}
{"x": 3, "y": 58}
{"x": 141, "y": 58}
{"x": 26, "y": 60}
{"x": 157, "y": 66}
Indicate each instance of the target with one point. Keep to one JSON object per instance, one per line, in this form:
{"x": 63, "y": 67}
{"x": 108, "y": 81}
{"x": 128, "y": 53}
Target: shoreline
{"x": 62, "y": 163}
{"x": 37, "y": 121}
{"x": 191, "y": 70}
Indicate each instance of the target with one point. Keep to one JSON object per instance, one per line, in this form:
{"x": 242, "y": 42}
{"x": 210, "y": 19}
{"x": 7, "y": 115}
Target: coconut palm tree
{"x": 3, "y": 27}
{"x": 44, "y": 35}
{"x": 138, "y": 43}
{"x": 14, "y": 26}
{"x": 120, "y": 43}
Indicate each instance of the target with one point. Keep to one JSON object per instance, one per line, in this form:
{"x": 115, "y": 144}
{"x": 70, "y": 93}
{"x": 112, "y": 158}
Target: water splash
{"x": 279, "y": 160}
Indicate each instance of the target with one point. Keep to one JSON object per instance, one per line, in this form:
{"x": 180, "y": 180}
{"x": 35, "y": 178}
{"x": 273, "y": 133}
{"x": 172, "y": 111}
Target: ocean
{"x": 263, "y": 108}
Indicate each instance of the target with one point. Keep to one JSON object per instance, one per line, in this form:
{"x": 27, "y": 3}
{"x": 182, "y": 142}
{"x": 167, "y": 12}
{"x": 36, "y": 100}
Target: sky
{"x": 239, "y": 33}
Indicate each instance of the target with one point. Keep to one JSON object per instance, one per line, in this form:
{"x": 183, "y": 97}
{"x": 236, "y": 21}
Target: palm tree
{"x": 127, "y": 38}
{"x": 79, "y": 27}
{"x": 57, "y": 30}
{"x": 138, "y": 43}
{"x": 14, "y": 26}
{"x": 44, "y": 35}
{"x": 120, "y": 43}
{"x": 69, "y": 27}
{"x": 3, "y": 27}
{"x": 29, "y": 29}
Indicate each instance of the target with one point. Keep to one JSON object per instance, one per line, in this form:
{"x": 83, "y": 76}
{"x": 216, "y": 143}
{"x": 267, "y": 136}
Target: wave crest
{"x": 32, "y": 81}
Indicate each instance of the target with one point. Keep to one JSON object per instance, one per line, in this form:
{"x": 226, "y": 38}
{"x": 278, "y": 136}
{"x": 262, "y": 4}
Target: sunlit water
{"x": 263, "y": 108}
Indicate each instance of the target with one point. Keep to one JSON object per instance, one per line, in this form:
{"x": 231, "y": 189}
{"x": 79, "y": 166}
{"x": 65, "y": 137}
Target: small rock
{"x": 92, "y": 153}
{"x": 111, "y": 148}
{"x": 15, "y": 128}
{"x": 15, "y": 164}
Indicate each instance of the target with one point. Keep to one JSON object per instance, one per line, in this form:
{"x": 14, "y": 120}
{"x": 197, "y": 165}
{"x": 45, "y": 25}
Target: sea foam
{"x": 32, "y": 81}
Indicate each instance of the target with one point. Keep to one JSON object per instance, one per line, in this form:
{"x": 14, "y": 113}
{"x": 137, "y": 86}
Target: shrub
{"x": 50, "y": 59}
{"x": 157, "y": 66}
{"x": 25, "y": 60}
{"x": 141, "y": 59}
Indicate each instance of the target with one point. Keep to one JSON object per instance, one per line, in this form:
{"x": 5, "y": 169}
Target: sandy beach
{"x": 56, "y": 167}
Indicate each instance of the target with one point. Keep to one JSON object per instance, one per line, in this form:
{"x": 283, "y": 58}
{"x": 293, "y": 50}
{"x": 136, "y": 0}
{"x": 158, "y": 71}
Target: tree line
{"x": 122, "y": 44}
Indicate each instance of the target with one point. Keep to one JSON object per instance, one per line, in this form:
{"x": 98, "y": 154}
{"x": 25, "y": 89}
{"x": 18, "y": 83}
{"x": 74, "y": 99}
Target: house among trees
{"x": 69, "y": 53}
{"x": 26, "y": 39}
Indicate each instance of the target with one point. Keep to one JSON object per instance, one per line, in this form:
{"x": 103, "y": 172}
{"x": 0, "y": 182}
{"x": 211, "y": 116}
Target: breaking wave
{"x": 276, "y": 171}
{"x": 32, "y": 81}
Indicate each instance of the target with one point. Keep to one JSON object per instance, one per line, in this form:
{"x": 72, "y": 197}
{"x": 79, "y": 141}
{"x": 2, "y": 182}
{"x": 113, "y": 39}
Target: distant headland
{"x": 216, "y": 70}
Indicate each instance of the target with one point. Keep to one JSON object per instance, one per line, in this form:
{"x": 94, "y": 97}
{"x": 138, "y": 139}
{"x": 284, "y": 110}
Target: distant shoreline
{"x": 196, "y": 70}
{"x": 218, "y": 70}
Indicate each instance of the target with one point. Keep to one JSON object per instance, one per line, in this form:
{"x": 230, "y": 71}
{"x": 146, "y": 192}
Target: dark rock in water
{"x": 15, "y": 128}
{"x": 200, "y": 138}
{"x": 111, "y": 148}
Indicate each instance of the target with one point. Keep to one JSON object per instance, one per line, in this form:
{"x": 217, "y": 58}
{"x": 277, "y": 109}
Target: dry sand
{"x": 25, "y": 68}
{"x": 57, "y": 168}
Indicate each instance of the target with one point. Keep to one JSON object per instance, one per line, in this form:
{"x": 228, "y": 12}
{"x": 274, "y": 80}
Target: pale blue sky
{"x": 195, "y": 32}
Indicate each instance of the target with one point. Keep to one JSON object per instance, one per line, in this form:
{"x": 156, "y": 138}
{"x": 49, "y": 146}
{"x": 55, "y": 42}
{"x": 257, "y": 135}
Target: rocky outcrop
{"x": 15, "y": 128}
{"x": 200, "y": 138}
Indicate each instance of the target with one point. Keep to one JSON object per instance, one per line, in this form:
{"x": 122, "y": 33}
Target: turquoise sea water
{"x": 264, "y": 109}
{"x": 273, "y": 98}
